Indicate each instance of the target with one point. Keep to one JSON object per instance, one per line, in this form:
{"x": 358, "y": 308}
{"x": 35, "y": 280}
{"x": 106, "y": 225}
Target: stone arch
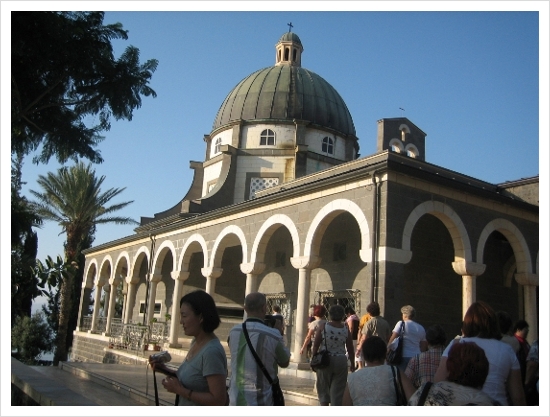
{"x": 105, "y": 271}
{"x": 516, "y": 239}
{"x": 194, "y": 241}
{"x": 268, "y": 228}
{"x": 90, "y": 274}
{"x": 451, "y": 220}
{"x": 142, "y": 252}
{"x": 160, "y": 254}
{"x": 323, "y": 218}
{"x": 122, "y": 262}
{"x": 226, "y": 237}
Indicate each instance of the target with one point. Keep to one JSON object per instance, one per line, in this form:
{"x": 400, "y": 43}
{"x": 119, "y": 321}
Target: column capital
{"x": 463, "y": 268}
{"x": 526, "y": 278}
{"x": 252, "y": 268}
{"x": 155, "y": 277}
{"x": 179, "y": 275}
{"x": 211, "y": 272}
{"x": 305, "y": 262}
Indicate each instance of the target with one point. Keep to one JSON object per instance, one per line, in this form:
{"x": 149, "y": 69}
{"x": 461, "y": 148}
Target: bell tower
{"x": 289, "y": 49}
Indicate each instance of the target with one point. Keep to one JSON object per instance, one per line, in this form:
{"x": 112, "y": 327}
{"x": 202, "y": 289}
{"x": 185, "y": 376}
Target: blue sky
{"x": 469, "y": 79}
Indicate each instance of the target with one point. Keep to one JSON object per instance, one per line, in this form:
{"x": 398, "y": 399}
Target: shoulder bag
{"x": 277, "y": 392}
{"x": 424, "y": 393}
{"x": 394, "y": 357}
{"x": 320, "y": 359}
{"x": 398, "y": 385}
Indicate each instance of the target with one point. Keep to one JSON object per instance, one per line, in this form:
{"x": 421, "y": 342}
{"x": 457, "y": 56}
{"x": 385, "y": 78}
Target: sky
{"x": 469, "y": 79}
{"x": 476, "y": 82}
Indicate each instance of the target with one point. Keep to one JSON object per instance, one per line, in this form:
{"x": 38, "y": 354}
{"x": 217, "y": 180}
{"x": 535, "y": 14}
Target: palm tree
{"x": 74, "y": 200}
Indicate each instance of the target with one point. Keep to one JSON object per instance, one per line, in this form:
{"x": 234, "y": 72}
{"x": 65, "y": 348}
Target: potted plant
{"x": 167, "y": 317}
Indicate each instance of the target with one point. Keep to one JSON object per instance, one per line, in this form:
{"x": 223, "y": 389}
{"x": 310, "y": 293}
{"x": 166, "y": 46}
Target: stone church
{"x": 284, "y": 204}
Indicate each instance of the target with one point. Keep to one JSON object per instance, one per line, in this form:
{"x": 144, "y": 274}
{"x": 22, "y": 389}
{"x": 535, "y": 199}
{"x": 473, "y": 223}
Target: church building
{"x": 284, "y": 204}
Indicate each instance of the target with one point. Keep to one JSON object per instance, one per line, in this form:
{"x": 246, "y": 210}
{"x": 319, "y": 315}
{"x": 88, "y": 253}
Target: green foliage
{"x": 73, "y": 198}
{"x": 64, "y": 70}
{"x": 31, "y": 337}
{"x": 24, "y": 246}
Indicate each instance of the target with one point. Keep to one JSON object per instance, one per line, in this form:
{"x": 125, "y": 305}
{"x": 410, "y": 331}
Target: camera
{"x": 161, "y": 357}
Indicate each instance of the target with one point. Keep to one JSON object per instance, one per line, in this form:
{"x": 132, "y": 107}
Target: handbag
{"x": 395, "y": 357}
{"x": 277, "y": 392}
{"x": 321, "y": 359}
{"x": 398, "y": 385}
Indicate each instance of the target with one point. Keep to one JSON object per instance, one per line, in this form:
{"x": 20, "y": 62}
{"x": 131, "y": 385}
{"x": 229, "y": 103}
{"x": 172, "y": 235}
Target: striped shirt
{"x": 248, "y": 385}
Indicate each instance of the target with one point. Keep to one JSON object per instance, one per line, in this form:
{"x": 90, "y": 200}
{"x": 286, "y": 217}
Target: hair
{"x": 203, "y": 304}
{"x": 336, "y": 312}
{"x": 504, "y": 321}
{"x": 481, "y": 320}
{"x": 276, "y": 309}
{"x": 374, "y": 349}
{"x": 373, "y": 309}
{"x": 349, "y": 310}
{"x": 467, "y": 365}
{"x": 408, "y": 311}
{"x": 520, "y": 325}
{"x": 435, "y": 335}
{"x": 254, "y": 301}
{"x": 319, "y": 311}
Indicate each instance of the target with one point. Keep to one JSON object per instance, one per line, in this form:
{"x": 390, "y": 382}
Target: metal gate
{"x": 345, "y": 298}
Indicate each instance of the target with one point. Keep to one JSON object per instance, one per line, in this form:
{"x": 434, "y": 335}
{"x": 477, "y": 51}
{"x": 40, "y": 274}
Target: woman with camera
{"x": 200, "y": 379}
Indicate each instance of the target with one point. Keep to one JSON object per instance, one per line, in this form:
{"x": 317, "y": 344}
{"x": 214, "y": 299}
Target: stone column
{"x": 124, "y": 300}
{"x": 211, "y": 274}
{"x": 83, "y": 305}
{"x": 252, "y": 270}
{"x": 469, "y": 271}
{"x": 530, "y": 283}
{"x": 305, "y": 265}
{"x": 95, "y": 314}
{"x": 107, "y": 289}
{"x": 155, "y": 279}
{"x": 111, "y": 309}
{"x": 130, "y": 301}
{"x": 179, "y": 277}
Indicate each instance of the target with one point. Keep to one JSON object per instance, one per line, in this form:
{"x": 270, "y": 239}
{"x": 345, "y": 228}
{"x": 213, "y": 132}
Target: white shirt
{"x": 414, "y": 334}
{"x": 502, "y": 360}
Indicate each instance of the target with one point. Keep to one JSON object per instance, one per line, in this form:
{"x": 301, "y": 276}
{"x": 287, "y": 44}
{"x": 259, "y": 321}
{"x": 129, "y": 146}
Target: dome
{"x": 290, "y": 37}
{"x": 284, "y": 92}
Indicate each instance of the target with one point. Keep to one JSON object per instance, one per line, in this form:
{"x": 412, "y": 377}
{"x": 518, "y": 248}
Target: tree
{"x": 73, "y": 198}
{"x": 24, "y": 246}
{"x": 30, "y": 337}
{"x": 63, "y": 70}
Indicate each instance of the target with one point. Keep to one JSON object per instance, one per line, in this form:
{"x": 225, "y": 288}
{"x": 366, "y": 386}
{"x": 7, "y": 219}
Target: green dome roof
{"x": 286, "y": 92}
{"x": 290, "y": 37}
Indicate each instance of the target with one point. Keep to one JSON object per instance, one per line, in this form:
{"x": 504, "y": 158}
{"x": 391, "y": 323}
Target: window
{"x": 412, "y": 151}
{"x": 156, "y": 308}
{"x": 328, "y": 146}
{"x": 259, "y": 184}
{"x": 218, "y": 145}
{"x": 267, "y": 138}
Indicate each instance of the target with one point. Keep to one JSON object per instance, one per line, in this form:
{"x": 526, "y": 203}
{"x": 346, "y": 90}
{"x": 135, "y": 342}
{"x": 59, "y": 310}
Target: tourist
{"x": 359, "y": 360}
{"x": 334, "y": 337}
{"x": 200, "y": 379}
{"x": 422, "y": 367}
{"x": 280, "y": 318}
{"x": 480, "y": 326}
{"x": 374, "y": 384}
{"x": 467, "y": 369}
{"x": 352, "y": 321}
{"x": 248, "y": 384}
{"x": 505, "y": 323}
{"x": 521, "y": 329}
{"x": 414, "y": 339}
{"x": 319, "y": 313}
{"x": 532, "y": 375}
{"x": 376, "y": 326}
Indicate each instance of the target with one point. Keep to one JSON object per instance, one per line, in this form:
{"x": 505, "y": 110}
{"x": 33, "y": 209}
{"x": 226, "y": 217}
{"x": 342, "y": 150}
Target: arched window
{"x": 267, "y": 138}
{"x": 412, "y": 151}
{"x": 328, "y": 146}
{"x": 218, "y": 145}
{"x": 396, "y": 146}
